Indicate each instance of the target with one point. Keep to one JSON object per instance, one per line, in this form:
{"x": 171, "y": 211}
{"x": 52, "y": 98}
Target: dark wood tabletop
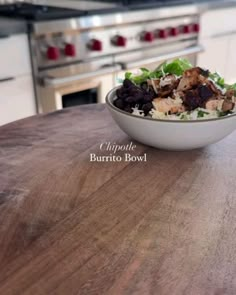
{"x": 70, "y": 226}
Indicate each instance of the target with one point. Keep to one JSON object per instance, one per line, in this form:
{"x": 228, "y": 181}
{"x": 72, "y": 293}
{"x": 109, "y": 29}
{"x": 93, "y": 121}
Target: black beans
{"x": 147, "y": 107}
{"x": 147, "y": 98}
{"x": 130, "y": 96}
{"x": 144, "y": 86}
{"x": 137, "y": 93}
{"x": 128, "y": 109}
{"x": 130, "y": 99}
{"x": 119, "y": 103}
{"x": 127, "y": 83}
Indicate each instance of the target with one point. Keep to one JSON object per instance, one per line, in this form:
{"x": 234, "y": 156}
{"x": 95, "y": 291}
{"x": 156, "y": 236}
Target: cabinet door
{"x": 230, "y": 73}
{"x": 15, "y": 56}
{"x": 215, "y": 55}
{"x": 16, "y": 99}
{"x": 218, "y": 22}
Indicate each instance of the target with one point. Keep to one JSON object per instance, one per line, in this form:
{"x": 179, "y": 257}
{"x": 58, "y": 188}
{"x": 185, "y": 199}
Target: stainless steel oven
{"x": 76, "y": 84}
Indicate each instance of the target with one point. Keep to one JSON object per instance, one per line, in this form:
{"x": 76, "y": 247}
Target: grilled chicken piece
{"x": 205, "y": 92}
{"x": 213, "y": 88}
{"x": 165, "y": 91}
{"x": 230, "y": 93}
{"x": 214, "y": 104}
{"x": 154, "y": 83}
{"x": 167, "y": 85}
{"x": 227, "y": 105}
{"x": 191, "y": 78}
{"x": 192, "y": 100}
{"x": 164, "y": 86}
{"x": 168, "y": 105}
{"x": 168, "y": 80}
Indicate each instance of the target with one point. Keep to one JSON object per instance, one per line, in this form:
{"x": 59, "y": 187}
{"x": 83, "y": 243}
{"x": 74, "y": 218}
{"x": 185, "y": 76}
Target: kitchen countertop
{"x": 203, "y": 5}
{"x": 9, "y": 26}
{"x": 72, "y": 226}
{"x": 217, "y": 4}
{"x": 81, "y": 4}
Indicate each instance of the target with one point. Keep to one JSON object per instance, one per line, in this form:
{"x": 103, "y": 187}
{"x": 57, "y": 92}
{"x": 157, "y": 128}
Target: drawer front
{"x": 17, "y": 99}
{"x": 15, "y": 56}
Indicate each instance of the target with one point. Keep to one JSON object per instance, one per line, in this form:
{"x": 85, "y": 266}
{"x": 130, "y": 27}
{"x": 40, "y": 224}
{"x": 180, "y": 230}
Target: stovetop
{"x": 140, "y": 4}
{"x": 35, "y": 12}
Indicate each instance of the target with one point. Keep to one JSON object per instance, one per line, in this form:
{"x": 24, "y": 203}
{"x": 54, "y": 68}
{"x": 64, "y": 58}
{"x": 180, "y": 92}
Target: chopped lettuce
{"x": 143, "y": 77}
{"x": 176, "y": 67}
{"x": 220, "y": 81}
{"x": 202, "y": 113}
{"x": 217, "y": 79}
{"x": 232, "y": 86}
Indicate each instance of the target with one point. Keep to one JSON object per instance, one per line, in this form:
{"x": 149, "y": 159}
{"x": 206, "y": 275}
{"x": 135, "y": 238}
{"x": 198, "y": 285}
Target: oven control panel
{"x": 61, "y": 48}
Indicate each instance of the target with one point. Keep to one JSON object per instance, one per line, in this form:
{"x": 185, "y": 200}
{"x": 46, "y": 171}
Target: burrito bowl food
{"x": 176, "y": 91}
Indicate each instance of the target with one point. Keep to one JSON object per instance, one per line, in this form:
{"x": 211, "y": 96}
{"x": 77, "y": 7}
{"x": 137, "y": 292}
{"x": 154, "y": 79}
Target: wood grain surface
{"x": 69, "y": 226}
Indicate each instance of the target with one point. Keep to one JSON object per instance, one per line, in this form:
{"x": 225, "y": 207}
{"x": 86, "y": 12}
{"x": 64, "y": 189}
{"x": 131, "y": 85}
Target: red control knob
{"x": 120, "y": 41}
{"x": 95, "y": 45}
{"x": 70, "y": 50}
{"x": 174, "y": 32}
{"x": 187, "y": 29}
{"x": 196, "y": 28}
{"x": 148, "y": 37}
{"x": 53, "y": 53}
{"x": 163, "y": 34}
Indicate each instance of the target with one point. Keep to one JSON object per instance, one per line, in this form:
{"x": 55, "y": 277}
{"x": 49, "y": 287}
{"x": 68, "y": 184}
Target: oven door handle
{"x": 52, "y": 81}
{"x": 160, "y": 58}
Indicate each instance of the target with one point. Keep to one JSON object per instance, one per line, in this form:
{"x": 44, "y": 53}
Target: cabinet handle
{"x": 51, "y": 81}
{"x": 226, "y": 34}
{"x": 6, "y": 79}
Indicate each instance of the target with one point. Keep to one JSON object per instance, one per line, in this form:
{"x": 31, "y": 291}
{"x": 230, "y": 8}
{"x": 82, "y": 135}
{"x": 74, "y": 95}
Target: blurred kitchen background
{"x": 60, "y": 53}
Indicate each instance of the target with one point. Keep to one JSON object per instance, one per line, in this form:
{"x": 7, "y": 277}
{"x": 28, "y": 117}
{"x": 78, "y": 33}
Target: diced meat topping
{"x": 214, "y": 104}
{"x": 168, "y": 105}
{"x": 205, "y": 92}
{"x": 227, "y": 105}
{"x": 191, "y": 78}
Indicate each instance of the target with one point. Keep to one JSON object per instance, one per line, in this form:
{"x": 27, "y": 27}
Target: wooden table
{"x": 70, "y": 226}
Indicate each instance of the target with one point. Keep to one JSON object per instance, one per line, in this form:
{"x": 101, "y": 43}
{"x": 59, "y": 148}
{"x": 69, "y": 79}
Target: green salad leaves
{"x": 221, "y": 81}
{"x": 217, "y": 79}
{"x": 175, "y": 67}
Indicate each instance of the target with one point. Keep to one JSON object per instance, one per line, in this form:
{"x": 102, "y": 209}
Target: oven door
{"x": 75, "y": 85}
{"x": 152, "y": 58}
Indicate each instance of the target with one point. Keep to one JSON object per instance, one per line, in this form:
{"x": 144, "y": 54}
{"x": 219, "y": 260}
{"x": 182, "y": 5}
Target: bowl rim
{"x": 111, "y": 105}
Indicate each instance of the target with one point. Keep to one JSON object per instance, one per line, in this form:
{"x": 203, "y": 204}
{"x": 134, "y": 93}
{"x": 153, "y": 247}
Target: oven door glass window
{"x": 80, "y": 98}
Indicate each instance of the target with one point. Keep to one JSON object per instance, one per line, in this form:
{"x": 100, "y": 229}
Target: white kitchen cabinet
{"x": 217, "y": 22}
{"x": 215, "y": 54}
{"x": 230, "y": 74}
{"x": 16, "y": 99}
{"x": 218, "y": 37}
{"x": 16, "y": 58}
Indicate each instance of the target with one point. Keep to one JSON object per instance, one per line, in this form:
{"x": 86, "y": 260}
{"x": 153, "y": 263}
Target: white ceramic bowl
{"x": 171, "y": 135}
